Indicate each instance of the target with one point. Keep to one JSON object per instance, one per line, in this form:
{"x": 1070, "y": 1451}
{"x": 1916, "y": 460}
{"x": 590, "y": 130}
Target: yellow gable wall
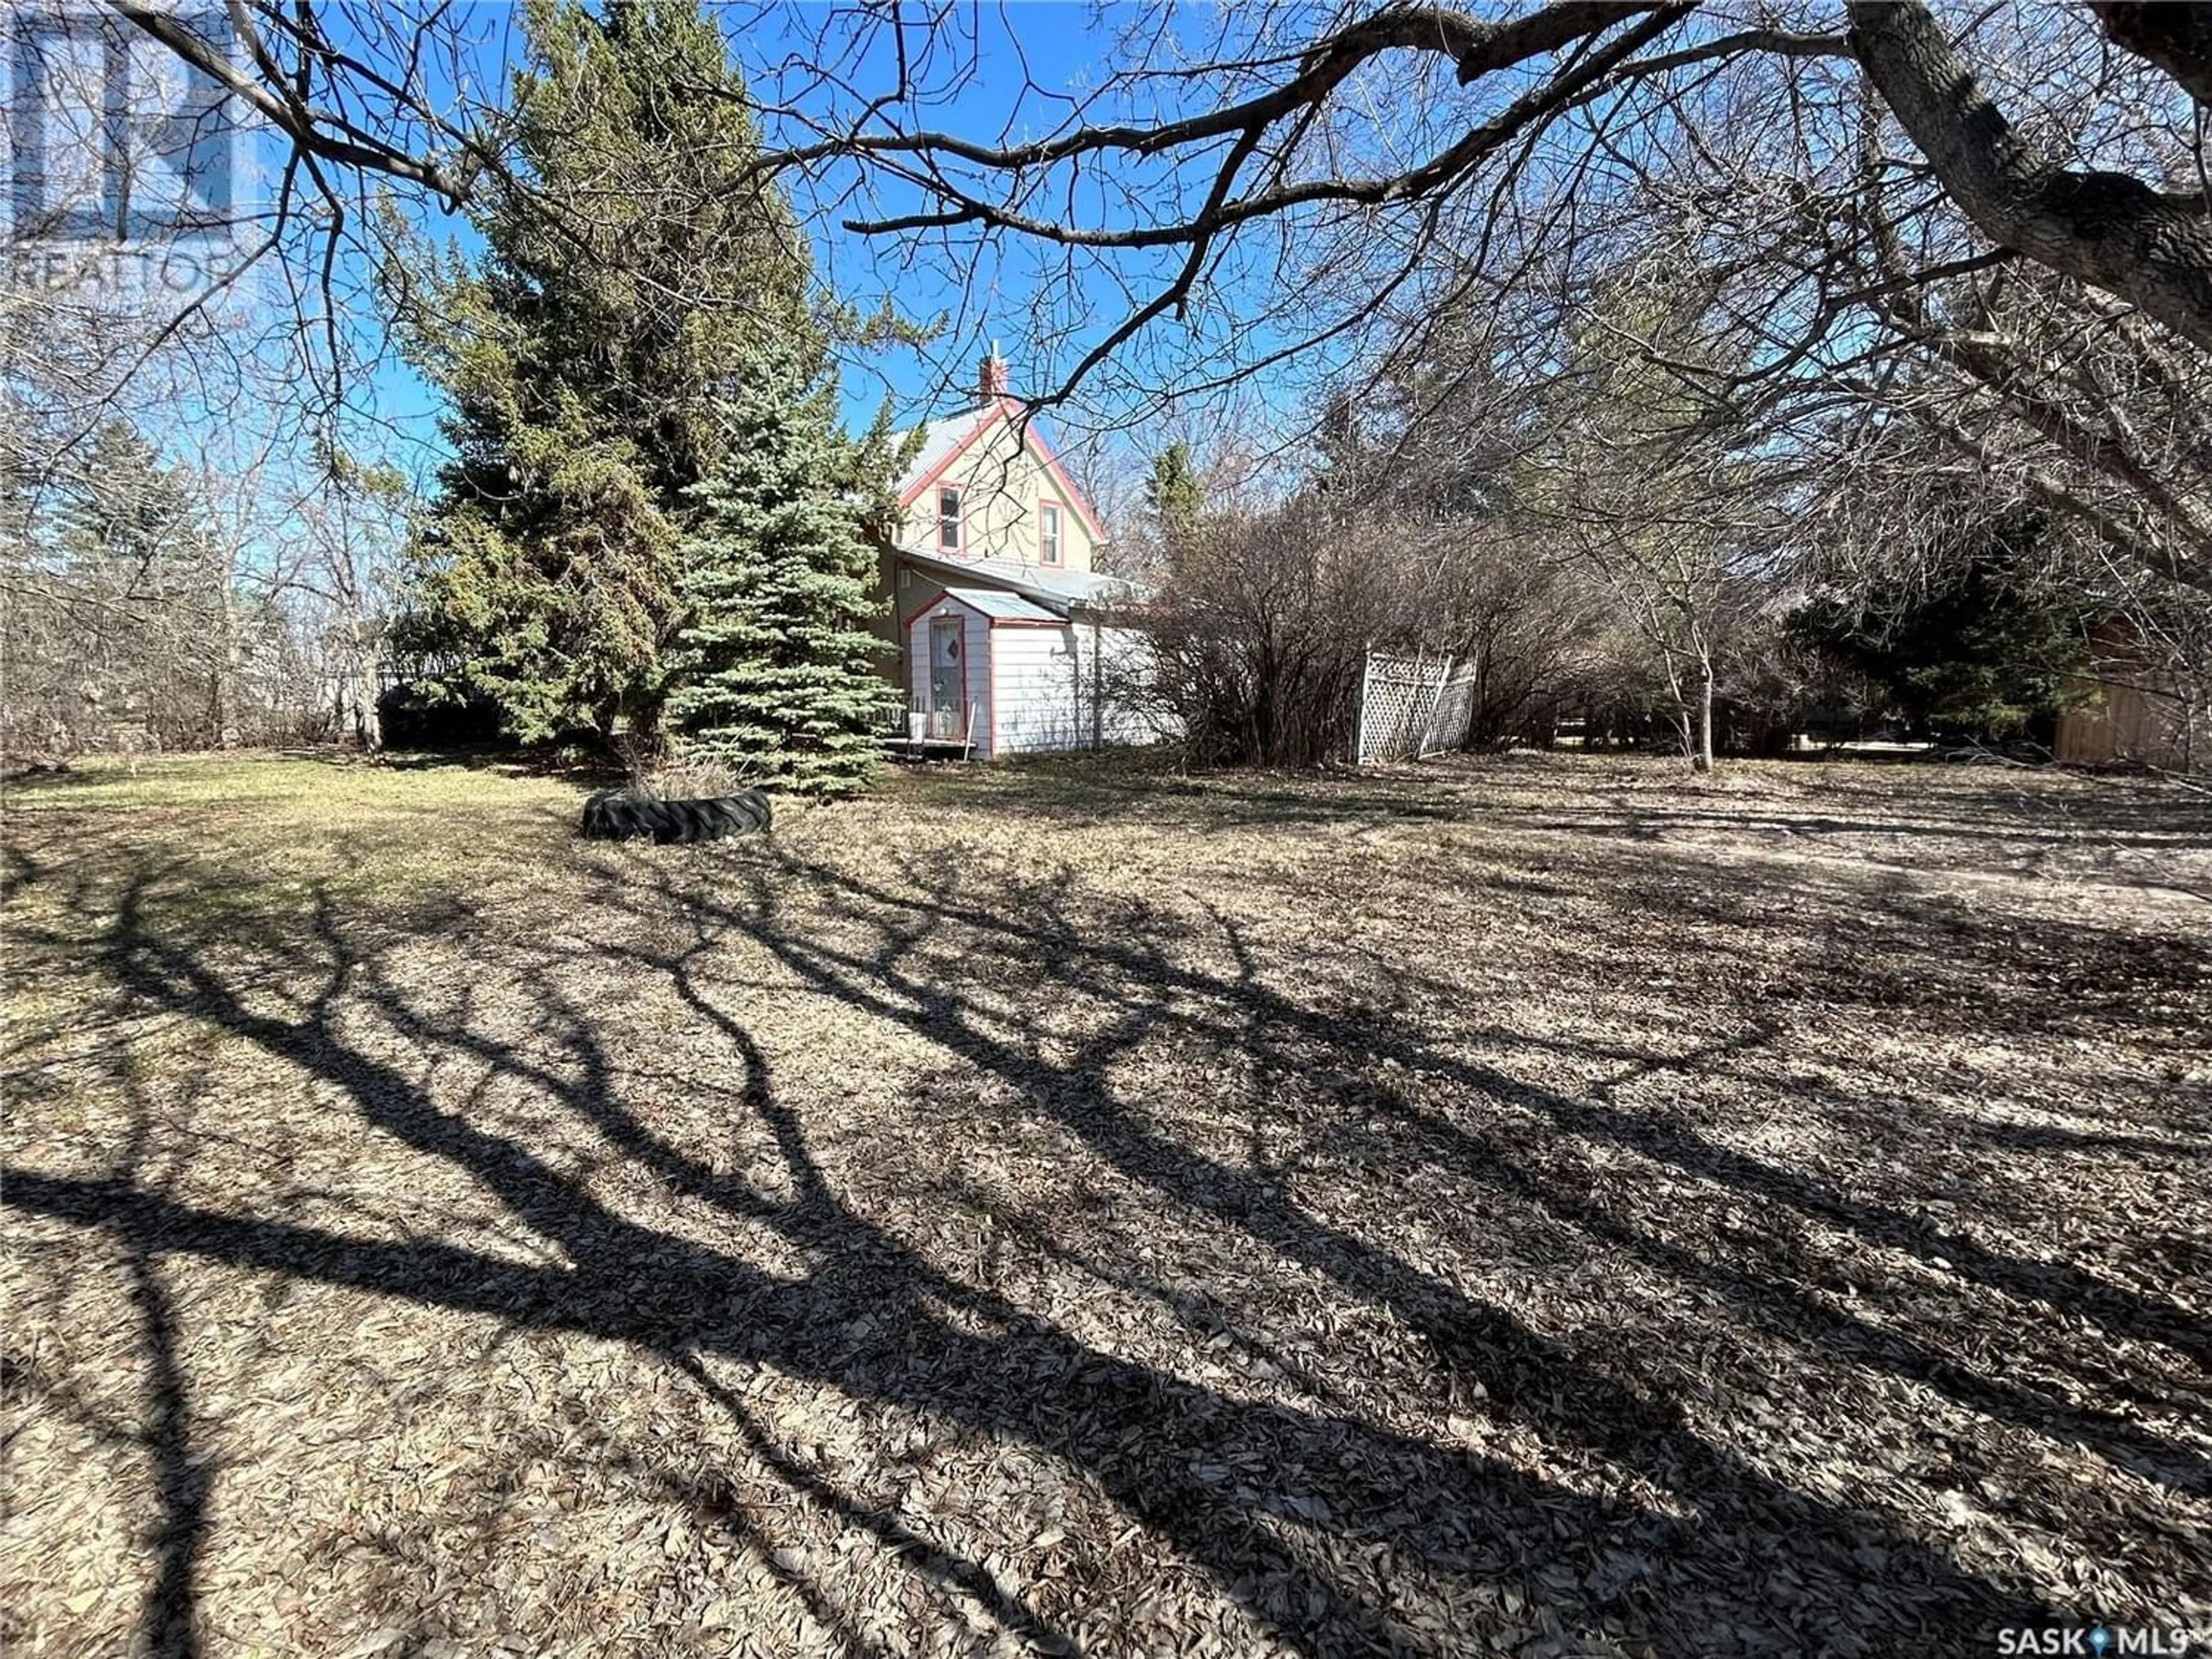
{"x": 1001, "y": 490}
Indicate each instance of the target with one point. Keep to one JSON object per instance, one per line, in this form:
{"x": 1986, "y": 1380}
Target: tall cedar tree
{"x": 772, "y": 669}
{"x": 582, "y": 353}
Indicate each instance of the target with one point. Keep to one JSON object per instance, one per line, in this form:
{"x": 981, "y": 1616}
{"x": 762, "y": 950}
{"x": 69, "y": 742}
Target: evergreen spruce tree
{"x": 1174, "y": 493}
{"x": 1986, "y": 655}
{"x": 773, "y": 667}
{"x": 126, "y": 513}
{"x": 582, "y": 356}
{"x": 145, "y": 591}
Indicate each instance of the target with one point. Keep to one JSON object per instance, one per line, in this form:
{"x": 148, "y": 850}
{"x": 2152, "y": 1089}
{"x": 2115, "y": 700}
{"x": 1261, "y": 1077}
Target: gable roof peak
{"x": 946, "y": 441}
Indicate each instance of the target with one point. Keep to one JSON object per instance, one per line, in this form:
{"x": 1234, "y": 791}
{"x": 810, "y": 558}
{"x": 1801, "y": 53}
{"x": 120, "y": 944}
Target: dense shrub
{"x": 417, "y": 715}
{"x": 1261, "y": 629}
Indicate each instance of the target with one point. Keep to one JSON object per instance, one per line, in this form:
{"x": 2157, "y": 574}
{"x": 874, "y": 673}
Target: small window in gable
{"x": 948, "y": 521}
{"x": 1048, "y": 533}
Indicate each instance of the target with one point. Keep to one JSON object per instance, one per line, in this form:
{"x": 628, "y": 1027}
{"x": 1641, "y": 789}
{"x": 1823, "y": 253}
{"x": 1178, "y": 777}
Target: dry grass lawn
{"x": 1534, "y": 1206}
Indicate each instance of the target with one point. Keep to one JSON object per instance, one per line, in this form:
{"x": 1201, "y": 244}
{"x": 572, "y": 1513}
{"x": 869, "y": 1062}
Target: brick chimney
{"x": 991, "y": 375}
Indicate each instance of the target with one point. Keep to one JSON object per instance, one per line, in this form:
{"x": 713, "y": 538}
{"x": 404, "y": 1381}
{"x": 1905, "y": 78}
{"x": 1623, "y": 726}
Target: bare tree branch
{"x": 2174, "y": 34}
{"x": 2107, "y": 228}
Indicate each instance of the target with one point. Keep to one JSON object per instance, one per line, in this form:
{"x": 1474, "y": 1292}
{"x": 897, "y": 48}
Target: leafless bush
{"x": 1266, "y": 619}
{"x": 696, "y": 779}
{"x": 1519, "y": 613}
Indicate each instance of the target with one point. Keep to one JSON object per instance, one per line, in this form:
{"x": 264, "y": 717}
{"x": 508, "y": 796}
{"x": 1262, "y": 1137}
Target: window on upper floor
{"x": 948, "y": 521}
{"x": 1048, "y": 533}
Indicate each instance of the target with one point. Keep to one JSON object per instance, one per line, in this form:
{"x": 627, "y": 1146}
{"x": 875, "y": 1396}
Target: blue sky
{"x": 1018, "y": 58}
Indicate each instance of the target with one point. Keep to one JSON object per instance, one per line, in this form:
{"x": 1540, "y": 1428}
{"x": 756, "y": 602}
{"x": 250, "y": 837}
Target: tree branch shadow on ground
{"x": 1141, "y": 1431}
{"x": 1644, "y": 796}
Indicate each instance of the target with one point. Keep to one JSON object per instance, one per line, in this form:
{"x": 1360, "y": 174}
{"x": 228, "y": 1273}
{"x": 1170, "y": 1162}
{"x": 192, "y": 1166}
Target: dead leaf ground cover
{"x": 1537, "y": 1206}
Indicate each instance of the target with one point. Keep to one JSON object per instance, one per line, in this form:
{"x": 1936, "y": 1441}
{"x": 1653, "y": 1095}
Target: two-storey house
{"x": 1004, "y": 637}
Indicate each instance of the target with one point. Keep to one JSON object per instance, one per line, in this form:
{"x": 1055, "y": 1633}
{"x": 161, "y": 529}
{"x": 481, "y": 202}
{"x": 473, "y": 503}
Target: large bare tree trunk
{"x": 2177, "y": 37}
{"x": 2105, "y": 228}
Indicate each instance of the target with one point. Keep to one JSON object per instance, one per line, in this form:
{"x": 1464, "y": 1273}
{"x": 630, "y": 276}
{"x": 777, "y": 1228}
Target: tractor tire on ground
{"x": 617, "y": 815}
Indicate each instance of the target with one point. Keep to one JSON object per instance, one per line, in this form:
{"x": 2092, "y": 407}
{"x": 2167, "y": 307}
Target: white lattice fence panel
{"x": 1410, "y": 707}
{"x": 1452, "y": 713}
{"x": 1397, "y": 702}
